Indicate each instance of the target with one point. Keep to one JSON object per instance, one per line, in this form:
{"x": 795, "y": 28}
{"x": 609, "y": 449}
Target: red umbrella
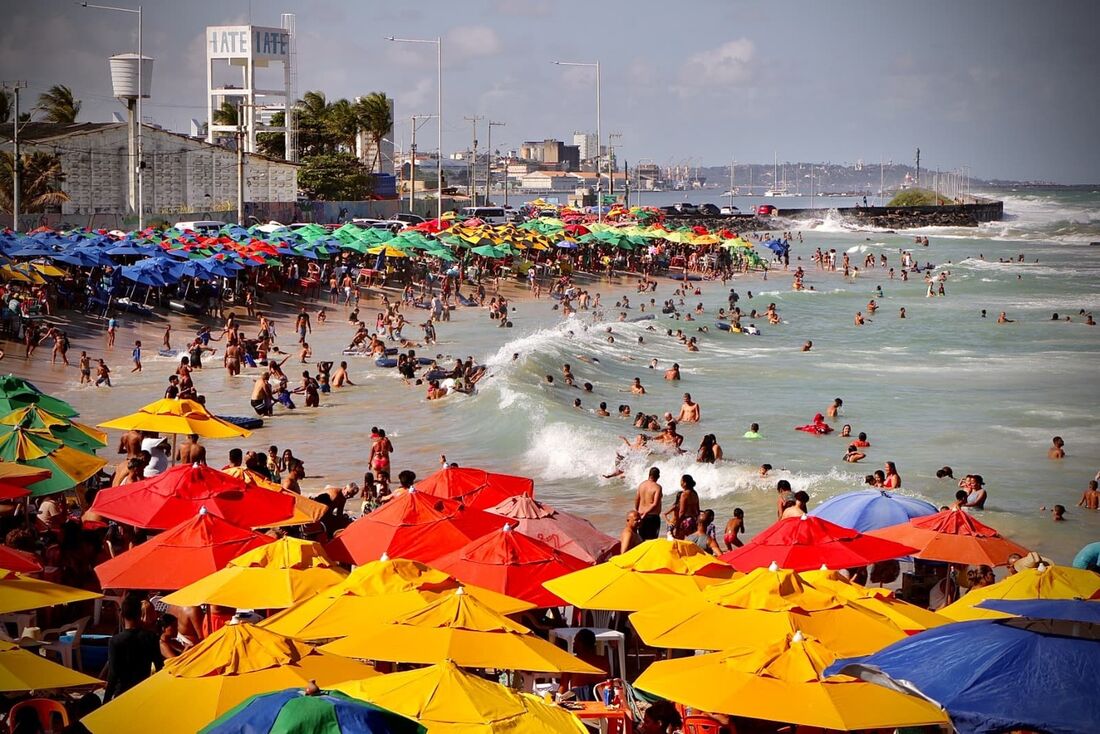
{"x": 576, "y": 229}
{"x": 568, "y": 533}
{"x": 807, "y": 543}
{"x": 18, "y": 561}
{"x": 416, "y": 526}
{"x": 188, "y": 552}
{"x": 10, "y": 491}
{"x": 953, "y": 536}
{"x": 511, "y": 563}
{"x": 177, "y": 494}
{"x": 14, "y": 479}
{"x": 475, "y": 487}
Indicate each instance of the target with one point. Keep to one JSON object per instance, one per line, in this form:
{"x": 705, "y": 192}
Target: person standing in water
{"x": 647, "y": 503}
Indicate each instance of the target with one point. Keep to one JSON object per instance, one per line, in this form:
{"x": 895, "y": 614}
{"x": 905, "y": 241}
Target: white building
{"x": 586, "y": 142}
{"x": 182, "y": 174}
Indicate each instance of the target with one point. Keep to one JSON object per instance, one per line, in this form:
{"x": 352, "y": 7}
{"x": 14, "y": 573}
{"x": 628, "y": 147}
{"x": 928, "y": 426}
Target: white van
{"x": 204, "y": 227}
{"x": 487, "y": 214}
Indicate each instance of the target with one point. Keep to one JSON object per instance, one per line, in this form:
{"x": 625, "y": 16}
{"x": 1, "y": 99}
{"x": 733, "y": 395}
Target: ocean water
{"x": 941, "y": 387}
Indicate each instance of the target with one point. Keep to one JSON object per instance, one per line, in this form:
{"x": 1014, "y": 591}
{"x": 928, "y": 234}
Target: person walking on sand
{"x": 136, "y": 354}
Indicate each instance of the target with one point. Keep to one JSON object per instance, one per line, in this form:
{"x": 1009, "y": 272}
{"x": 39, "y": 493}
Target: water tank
{"x": 124, "y": 76}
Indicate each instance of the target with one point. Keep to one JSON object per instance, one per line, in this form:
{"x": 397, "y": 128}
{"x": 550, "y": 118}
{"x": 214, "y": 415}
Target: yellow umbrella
{"x": 273, "y": 576}
{"x": 390, "y": 251}
{"x": 22, "y": 671}
{"x": 1042, "y": 582}
{"x": 305, "y": 510}
{"x": 49, "y": 270}
{"x": 784, "y": 682}
{"x": 763, "y": 606}
{"x": 177, "y": 416}
{"x": 21, "y": 474}
{"x": 19, "y": 593}
{"x": 459, "y": 628}
{"x": 909, "y": 617}
{"x": 35, "y": 417}
{"x": 446, "y": 699}
{"x": 653, "y": 572}
{"x": 9, "y": 272}
{"x": 237, "y": 661}
{"x": 375, "y": 592}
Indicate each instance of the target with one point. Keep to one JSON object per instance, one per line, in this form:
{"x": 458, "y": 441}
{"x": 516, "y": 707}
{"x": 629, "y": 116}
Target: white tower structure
{"x": 249, "y": 48}
{"x": 131, "y": 80}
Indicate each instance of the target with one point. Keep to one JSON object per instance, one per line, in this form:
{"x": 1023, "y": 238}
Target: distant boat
{"x": 778, "y": 192}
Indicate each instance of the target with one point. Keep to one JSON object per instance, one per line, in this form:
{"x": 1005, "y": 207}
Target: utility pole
{"x": 610, "y": 166}
{"x": 412, "y": 167}
{"x": 240, "y": 164}
{"x": 471, "y": 165}
{"x": 918, "y": 168}
{"x": 17, "y": 163}
{"x": 489, "y": 157}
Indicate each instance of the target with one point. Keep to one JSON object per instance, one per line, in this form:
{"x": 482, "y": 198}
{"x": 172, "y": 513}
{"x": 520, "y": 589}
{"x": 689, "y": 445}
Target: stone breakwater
{"x": 878, "y": 217}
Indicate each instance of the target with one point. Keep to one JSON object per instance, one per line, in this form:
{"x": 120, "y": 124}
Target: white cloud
{"x": 470, "y": 42}
{"x": 728, "y": 65}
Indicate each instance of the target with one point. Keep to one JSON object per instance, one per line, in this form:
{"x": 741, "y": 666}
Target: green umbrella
{"x": 488, "y": 251}
{"x": 38, "y": 448}
{"x": 293, "y": 711}
{"x": 441, "y": 254}
{"x": 16, "y": 393}
{"x": 69, "y": 432}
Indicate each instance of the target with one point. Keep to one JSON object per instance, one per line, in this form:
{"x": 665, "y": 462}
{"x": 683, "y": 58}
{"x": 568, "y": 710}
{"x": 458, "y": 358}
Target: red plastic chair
{"x": 45, "y": 708}
{"x": 702, "y": 725}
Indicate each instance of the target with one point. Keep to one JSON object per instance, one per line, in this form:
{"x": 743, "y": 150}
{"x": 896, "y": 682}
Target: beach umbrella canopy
{"x": 177, "y": 494}
{"x": 173, "y": 415}
{"x": 953, "y": 536}
{"x": 226, "y": 668}
{"x": 297, "y": 711}
{"x": 19, "y": 561}
{"x": 459, "y": 628}
{"x": 376, "y": 591}
{"x": 786, "y": 682}
{"x": 23, "y": 672}
{"x": 67, "y": 431}
{"x": 568, "y": 533}
{"x": 1043, "y": 582}
{"x": 180, "y": 556}
{"x": 650, "y": 573}
{"x": 305, "y": 510}
{"x": 871, "y": 509}
{"x": 806, "y": 542}
{"x": 908, "y": 617}
{"x": 415, "y": 525}
{"x": 475, "y": 487}
{"x": 19, "y": 593}
{"x": 68, "y": 467}
{"x": 512, "y": 563}
{"x": 1068, "y": 610}
{"x": 273, "y": 576}
{"x": 449, "y": 700}
{"x": 765, "y": 605}
{"x": 15, "y": 478}
{"x": 996, "y": 675}
{"x": 16, "y": 393}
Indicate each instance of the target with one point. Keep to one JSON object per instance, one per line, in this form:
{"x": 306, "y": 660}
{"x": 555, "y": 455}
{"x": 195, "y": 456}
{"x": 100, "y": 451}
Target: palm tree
{"x": 343, "y": 124}
{"x": 374, "y": 118}
{"x": 312, "y": 111}
{"x": 5, "y": 106}
{"x": 226, "y": 114}
{"x": 58, "y": 105}
{"x": 39, "y": 182}
{"x": 273, "y": 144}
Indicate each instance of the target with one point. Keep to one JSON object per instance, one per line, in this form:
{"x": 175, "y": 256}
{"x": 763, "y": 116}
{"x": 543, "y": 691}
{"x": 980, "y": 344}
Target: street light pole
{"x": 16, "y": 161}
{"x": 599, "y": 135}
{"x": 438, "y": 41}
{"x": 489, "y": 160}
{"x": 140, "y": 147}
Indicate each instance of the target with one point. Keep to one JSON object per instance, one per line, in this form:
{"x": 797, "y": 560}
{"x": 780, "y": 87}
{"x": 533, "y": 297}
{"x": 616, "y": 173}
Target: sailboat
{"x": 777, "y": 189}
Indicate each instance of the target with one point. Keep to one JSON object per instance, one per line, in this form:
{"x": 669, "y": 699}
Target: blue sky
{"x": 1007, "y": 87}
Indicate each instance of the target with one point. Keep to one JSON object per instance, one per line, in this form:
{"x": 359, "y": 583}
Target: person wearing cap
{"x": 159, "y": 455}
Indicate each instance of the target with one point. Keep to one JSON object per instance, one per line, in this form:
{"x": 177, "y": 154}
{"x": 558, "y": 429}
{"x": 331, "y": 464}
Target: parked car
{"x": 204, "y": 226}
{"x": 710, "y": 210}
{"x": 766, "y": 210}
{"x": 729, "y": 210}
{"x": 686, "y": 207}
{"x": 408, "y": 218}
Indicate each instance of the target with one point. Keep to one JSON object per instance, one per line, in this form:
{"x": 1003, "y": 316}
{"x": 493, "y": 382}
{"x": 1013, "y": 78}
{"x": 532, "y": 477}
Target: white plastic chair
{"x": 65, "y": 645}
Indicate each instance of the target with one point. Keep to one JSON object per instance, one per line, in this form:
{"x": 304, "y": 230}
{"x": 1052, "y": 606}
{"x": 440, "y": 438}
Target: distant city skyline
{"x": 1005, "y": 88}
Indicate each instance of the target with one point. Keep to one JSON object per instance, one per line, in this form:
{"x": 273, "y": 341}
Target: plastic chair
{"x": 702, "y": 725}
{"x": 45, "y": 708}
{"x": 102, "y": 601}
{"x": 66, "y": 646}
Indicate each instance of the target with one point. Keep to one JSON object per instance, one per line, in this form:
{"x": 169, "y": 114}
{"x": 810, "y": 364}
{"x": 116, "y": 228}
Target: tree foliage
{"x": 336, "y": 176}
{"x": 39, "y": 182}
{"x": 916, "y": 197}
{"x": 58, "y": 105}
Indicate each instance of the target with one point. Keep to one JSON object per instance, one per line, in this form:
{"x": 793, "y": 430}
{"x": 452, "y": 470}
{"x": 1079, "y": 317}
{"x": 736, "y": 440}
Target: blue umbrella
{"x": 996, "y": 675}
{"x": 1069, "y": 610}
{"x": 293, "y": 711}
{"x": 779, "y": 247}
{"x": 128, "y": 248}
{"x": 871, "y": 509}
